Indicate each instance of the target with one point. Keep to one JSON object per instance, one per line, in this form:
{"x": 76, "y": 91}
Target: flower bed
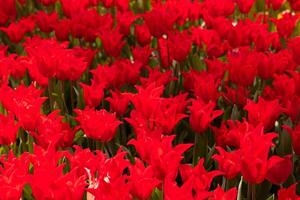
{"x": 148, "y": 99}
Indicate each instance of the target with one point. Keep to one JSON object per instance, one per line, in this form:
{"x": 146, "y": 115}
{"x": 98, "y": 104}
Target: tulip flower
{"x": 265, "y": 112}
{"x": 228, "y": 162}
{"x": 202, "y": 115}
{"x": 295, "y": 135}
{"x": 105, "y": 129}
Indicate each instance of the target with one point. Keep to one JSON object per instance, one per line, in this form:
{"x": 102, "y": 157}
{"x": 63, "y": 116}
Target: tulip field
{"x": 149, "y": 99}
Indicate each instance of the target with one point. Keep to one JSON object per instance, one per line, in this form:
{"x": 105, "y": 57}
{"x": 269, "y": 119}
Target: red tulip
{"x": 294, "y": 46}
{"x": 202, "y": 115}
{"x": 34, "y": 73}
{"x": 155, "y": 113}
{"x": 242, "y": 67}
{"x": 173, "y": 192}
{"x": 8, "y": 129}
{"x": 211, "y": 39}
{"x": 62, "y": 29}
{"x": 275, "y": 4}
{"x": 279, "y": 169}
{"x": 160, "y": 19}
{"x": 86, "y": 162}
{"x": 112, "y": 41}
{"x": 156, "y": 77}
{"x": 141, "y": 54}
{"x": 160, "y": 154}
{"x": 228, "y": 162}
{"x": 51, "y": 130}
{"x": 295, "y": 4}
{"x": 245, "y": 5}
{"x": 288, "y": 193}
{"x": 295, "y": 135}
{"x": 220, "y": 8}
{"x": 25, "y": 103}
{"x": 118, "y": 102}
{"x": 285, "y": 25}
{"x": 125, "y": 19}
{"x": 47, "y": 2}
{"x": 284, "y": 87}
{"x": 142, "y": 176}
{"x": 255, "y": 148}
{"x": 92, "y": 94}
{"x": 219, "y": 193}
{"x": 204, "y": 85}
{"x": 236, "y": 96}
{"x": 73, "y": 7}
{"x": 201, "y": 179}
{"x": 55, "y": 60}
{"x": 46, "y": 21}
{"x": 142, "y": 34}
{"x": 110, "y": 177}
{"x": 8, "y": 11}
{"x": 265, "y": 112}
{"x": 14, "y": 175}
{"x": 48, "y": 181}
{"x": 97, "y": 124}
{"x": 12, "y": 65}
{"x": 122, "y": 72}
{"x": 16, "y": 31}
{"x": 231, "y": 133}
{"x": 179, "y": 45}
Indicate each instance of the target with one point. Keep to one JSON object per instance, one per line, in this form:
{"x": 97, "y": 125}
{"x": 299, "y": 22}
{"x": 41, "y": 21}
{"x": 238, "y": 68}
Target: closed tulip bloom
{"x": 245, "y": 5}
{"x": 142, "y": 34}
{"x": 275, "y": 4}
{"x": 286, "y": 24}
{"x": 279, "y": 169}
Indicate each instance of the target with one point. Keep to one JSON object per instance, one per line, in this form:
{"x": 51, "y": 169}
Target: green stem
{"x": 159, "y": 52}
{"x": 79, "y": 96}
{"x": 50, "y": 93}
{"x": 2, "y": 109}
{"x": 30, "y": 143}
{"x": 200, "y": 147}
{"x": 204, "y": 144}
{"x": 196, "y": 149}
{"x": 251, "y": 195}
{"x": 64, "y": 107}
{"x": 162, "y": 192}
{"x": 4, "y": 149}
{"x": 99, "y": 146}
{"x": 72, "y": 95}
{"x": 224, "y": 183}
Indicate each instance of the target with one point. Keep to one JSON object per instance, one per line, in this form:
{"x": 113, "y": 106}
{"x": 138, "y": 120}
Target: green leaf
{"x": 235, "y": 113}
{"x": 157, "y": 194}
{"x": 27, "y": 192}
{"x": 239, "y": 195}
{"x": 271, "y": 197}
{"x": 98, "y": 43}
{"x": 79, "y": 137}
{"x": 208, "y": 159}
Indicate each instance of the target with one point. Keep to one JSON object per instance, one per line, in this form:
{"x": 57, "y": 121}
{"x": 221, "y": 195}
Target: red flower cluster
{"x": 174, "y": 99}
